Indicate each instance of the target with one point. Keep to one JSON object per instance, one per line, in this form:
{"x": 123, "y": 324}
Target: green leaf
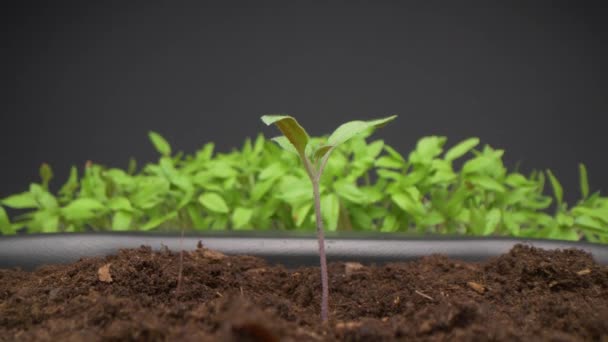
{"x": 591, "y": 224}
{"x": 486, "y": 183}
{"x": 487, "y": 162}
{"x": 71, "y": 185}
{"x": 598, "y": 213}
{"x": 300, "y": 214}
{"x": 408, "y": 201}
{"x": 258, "y": 145}
{"x": 563, "y": 233}
{"x": 261, "y": 188}
{"x": 350, "y": 192}
{"x": 583, "y": 180}
{"x": 390, "y": 224}
{"x": 564, "y": 220}
{"x": 213, "y": 202}
{"x": 291, "y": 129}
{"x": 120, "y": 203}
{"x": 241, "y": 217}
{"x": 388, "y": 162}
{"x": 44, "y": 198}
{"x": 350, "y": 129}
{"x": 161, "y": 145}
{"x": 427, "y": 148}
{"x": 272, "y": 171}
{"x": 394, "y": 154}
{"x": 45, "y": 221}
{"x": 461, "y": 149}
{"x": 196, "y": 216}
{"x": 24, "y": 200}
{"x": 121, "y": 220}
{"x": 82, "y": 209}
{"x": 330, "y": 209}
{"x": 46, "y": 174}
{"x": 322, "y": 151}
{"x": 493, "y": 218}
{"x": 132, "y": 167}
{"x": 150, "y": 192}
{"x": 157, "y": 221}
{"x": 5, "y": 224}
{"x": 557, "y": 188}
{"x": 284, "y": 143}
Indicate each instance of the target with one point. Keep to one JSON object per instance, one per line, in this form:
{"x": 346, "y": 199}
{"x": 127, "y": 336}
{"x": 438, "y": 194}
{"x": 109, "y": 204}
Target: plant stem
{"x": 323, "y": 258}
{"x": 181, "y": 264}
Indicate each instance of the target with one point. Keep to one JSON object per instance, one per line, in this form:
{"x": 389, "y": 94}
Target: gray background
{"x": 84, "y": 81}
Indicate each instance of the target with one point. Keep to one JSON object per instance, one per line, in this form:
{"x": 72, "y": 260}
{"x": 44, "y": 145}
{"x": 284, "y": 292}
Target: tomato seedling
{"x": 314, "y": 159}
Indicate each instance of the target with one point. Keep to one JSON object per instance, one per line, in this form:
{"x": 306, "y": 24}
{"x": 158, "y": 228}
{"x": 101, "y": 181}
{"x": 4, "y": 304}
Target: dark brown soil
{"x": 527, "y": 294}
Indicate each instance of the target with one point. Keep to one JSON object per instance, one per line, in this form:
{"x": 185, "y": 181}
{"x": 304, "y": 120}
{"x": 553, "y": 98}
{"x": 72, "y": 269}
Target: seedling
{"x": 314, "y": 159}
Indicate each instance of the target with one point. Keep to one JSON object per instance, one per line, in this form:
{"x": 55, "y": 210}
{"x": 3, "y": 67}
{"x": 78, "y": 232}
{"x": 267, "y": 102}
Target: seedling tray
{"x": 291, "y": 250}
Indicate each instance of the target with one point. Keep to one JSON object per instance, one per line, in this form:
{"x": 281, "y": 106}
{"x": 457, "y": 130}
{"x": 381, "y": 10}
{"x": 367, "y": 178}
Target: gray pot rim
{"x": 291, "y": 249}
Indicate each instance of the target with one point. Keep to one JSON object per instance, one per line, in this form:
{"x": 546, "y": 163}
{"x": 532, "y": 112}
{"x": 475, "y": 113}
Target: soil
{"x": 527, "y": 294}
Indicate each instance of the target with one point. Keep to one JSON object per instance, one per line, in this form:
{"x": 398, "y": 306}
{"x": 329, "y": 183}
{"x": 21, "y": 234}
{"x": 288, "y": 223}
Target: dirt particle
{"x": 583, "y": 272}
{"x": 352, "y": 267}
{"x": 479, "y": 288}
{"x": 103, "y": 274}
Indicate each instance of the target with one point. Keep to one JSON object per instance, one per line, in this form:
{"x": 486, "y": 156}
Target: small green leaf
{"x": 389, "y": 224}
{"x": 461, "y": 149}
{"x": 196, "y": 216}
{"x": 24, "y": 200}
{"x": 427, "y": 148}
{"x": 241, "y": 217}
{"x": 132, "y": 167}
{"x": 350, "y": 129}
{"x": 291, "y": 129}
{"x": 408, "y": 201}
{"x": 322, "y": 151}
{"x": 350, "y": 192}
{"x": 301, "y": 213}
{"x": 46, "y": 174}
{"x": 284, "y": 143}
{"x": 272, "y": 171}
{"x": 120, "y": 203}
{"x": 493, "y": 218}
{"x": 591, "y": 224}
{"x": 121, "y": 220}
{"x": 583, "y": 180}
{"x": 598, "y": 213}
{"x": 71, "y": 185}
{"x": 486, "y": 183}
{"x": 564, "y": 219}
{"x": 388, "y": 162}
{"x": 557, "y": 188}
{"x": 161, "y": 145}
{"x": 261, "y": 188}
{"x": 44, "y": 198}
{"x": 82, "y": 209}
{"x": 5, "y": 224}
{"x": 157, "y": 221}
{"x": 330, "y": 209}
{"x": 213, "y": 202}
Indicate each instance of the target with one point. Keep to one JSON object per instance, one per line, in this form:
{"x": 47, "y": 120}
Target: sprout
{"x": 295, "y": 139}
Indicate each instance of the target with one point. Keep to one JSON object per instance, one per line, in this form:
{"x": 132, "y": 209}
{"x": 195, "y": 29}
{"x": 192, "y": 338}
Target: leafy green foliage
{"x": 263, "y": 187}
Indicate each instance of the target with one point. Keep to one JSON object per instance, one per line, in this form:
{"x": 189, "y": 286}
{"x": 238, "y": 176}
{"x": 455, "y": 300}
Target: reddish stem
{"x": 322, "y": 256}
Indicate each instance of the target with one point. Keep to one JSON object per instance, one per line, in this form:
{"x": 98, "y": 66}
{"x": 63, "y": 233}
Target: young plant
{"x": 314, "y": 159}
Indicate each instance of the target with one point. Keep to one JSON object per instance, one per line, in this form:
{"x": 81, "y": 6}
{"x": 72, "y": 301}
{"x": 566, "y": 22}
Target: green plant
{"x": 314, "y": 158}
{"x": 367, "y": 185}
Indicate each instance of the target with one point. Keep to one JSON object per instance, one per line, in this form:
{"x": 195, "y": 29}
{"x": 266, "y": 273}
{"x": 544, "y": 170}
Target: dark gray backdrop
{"x": 86, "y": 81}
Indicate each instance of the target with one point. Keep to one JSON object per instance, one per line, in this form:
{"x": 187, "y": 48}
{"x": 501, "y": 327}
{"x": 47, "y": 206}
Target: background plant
{"x": 367, "y": 186}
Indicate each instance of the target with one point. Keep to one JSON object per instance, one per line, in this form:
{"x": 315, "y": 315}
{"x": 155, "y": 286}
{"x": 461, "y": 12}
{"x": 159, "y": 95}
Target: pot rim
{"x": 291, "y": 249}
